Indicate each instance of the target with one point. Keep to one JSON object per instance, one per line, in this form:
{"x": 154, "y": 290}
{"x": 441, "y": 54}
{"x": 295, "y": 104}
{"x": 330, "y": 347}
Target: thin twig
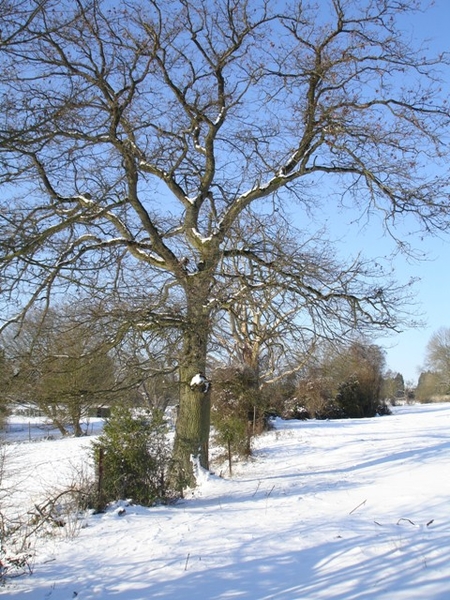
{"x": 257, "y": 488}
{"x": 356, "y": 507}
{"x": 268, "y": 494}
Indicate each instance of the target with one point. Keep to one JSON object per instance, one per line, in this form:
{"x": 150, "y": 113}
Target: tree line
{"x": 66, "y": 364}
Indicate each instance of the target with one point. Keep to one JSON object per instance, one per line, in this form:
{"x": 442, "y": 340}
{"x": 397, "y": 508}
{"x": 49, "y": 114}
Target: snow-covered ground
{"x": 354, "y": 509}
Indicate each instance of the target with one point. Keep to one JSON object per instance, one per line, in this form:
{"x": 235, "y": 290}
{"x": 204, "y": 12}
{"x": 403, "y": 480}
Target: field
{"x": 352, "y": 509}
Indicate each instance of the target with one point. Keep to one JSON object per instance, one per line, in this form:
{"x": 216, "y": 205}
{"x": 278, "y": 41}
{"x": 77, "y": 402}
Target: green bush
{"x": 232, "y": 432}
{"x": 238, "y": 410}
{"x": 359, "y": 401}
{"x": 132, "y": 457}
{"x": 351, "y": 399}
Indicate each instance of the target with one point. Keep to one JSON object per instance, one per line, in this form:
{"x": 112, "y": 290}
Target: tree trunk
{"x": 193, "y": 421}
{"x": 230, "y": 459}
{"x": 75, "y": 416}
{"x": 51, "y": 413}
{"x": 77, "y": 431}
{"x": 60, "y": 426}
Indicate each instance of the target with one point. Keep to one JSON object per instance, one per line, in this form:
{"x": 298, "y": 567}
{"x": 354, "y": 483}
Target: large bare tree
{"x": 135, "y": 136}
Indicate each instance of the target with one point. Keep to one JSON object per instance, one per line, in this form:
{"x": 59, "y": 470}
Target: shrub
{"x": 383, "y": 409}
{"x": 294, "y": 408}
{"x": 357, "y": 400}
{"x": 238, "y": 410}
{"x": 132, "y": 455}
{"x": 232, "y": 432}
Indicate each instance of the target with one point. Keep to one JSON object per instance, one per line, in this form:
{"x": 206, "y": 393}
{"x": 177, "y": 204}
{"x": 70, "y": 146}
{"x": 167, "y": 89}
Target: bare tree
{"x": 437, "y": 361}
{"x": 275, "y": 317}
{"x": 438, "y": 351}
{"x": 135, "y": 136}
{"x": 62, "y": 365}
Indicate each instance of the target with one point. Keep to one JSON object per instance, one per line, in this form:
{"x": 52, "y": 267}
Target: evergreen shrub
{"x": 132, "y": 457}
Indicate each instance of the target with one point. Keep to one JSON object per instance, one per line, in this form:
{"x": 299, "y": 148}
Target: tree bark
{"x": 193, "y": 421}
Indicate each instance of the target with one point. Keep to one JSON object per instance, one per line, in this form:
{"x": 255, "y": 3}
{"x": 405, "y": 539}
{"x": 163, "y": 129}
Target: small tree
{"x": 436, "y": 381}
{"x": 63, "y": 366}
{"x": 237, "y": 410}
{"x": 232, "y": 433}
{"x": 393, "y": 387}
{"x": 132, "y": 455}
{"x": 429, "y": 387}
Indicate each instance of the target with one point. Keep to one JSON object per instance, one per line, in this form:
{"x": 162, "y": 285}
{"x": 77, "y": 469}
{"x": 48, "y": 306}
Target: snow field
{"x": 325, "y": 510}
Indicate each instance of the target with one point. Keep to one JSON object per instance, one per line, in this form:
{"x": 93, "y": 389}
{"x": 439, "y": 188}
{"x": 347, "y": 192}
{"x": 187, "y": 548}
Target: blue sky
{"x": 406, "y": 351}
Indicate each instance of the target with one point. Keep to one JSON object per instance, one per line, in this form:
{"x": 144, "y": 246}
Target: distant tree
{"x": 430, "y": 387}
{"x": 437, "y": 361}
{"x": 393, "y": 387}
{"x": 400, "y": 389}
{"x": 358, "y": 373}
{"x": 63, "y": 366}
{"x": 434, "y": 382}
{"x": 5, "y": 383}
{"x": 344, "y": 381}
